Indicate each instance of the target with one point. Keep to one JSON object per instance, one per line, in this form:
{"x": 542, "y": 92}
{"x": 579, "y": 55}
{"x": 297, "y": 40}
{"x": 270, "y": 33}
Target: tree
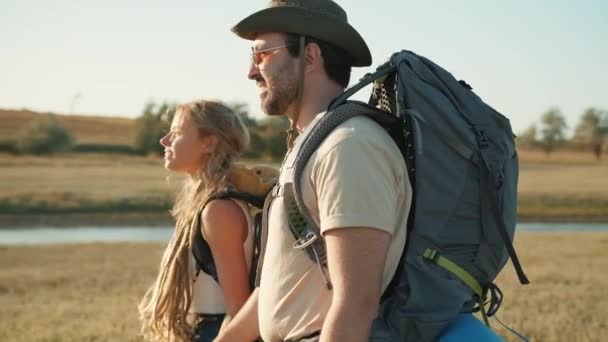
{"x": 268, "y": 137}
{"x": 592, "y": 130}
{"x": 44, "y": 135}
{"x": 528, "y": 138}
{"x": 257, "y": 144}
{"x": 242, "y": 110}
{"x": 150, "y": 127}
{"x": 274, "y": 132}
{"x": 552, "y": 131}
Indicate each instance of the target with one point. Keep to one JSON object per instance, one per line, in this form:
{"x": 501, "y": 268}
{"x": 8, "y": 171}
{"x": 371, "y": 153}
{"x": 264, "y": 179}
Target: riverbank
{"x": 109, "y": 190}
{"x": 89, "y": 292}
{"x": 66, "y": 220}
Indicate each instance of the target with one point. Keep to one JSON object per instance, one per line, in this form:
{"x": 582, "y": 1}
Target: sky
{"x": 110, "y": 57}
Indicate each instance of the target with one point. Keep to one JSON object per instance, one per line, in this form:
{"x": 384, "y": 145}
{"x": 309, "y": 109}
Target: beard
{"x": 281, "y": 91}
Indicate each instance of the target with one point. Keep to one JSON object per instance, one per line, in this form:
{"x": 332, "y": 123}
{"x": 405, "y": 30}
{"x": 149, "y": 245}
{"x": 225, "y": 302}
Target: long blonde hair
{"x": 164, "y": 308}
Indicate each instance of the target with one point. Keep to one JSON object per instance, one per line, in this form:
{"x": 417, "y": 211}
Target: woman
{"x": 205, "y": 139}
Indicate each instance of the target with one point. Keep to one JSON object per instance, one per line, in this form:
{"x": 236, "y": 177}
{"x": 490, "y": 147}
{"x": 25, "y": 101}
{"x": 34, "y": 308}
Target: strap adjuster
{"x": 432, "y": 254}
{"x": 305, "y": 241}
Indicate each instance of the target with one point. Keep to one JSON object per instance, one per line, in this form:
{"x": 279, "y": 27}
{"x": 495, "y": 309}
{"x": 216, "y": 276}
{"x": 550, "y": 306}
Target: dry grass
{"x": 567, "y": 299}
{"x": 84, "y": 183}
{"x": 97, "y": 177}
{"x": 76, "y": 189}
{"x": 560, "y": 156}
{"x": 563, "y": 186}
{"x": 74, "y": 293}
{"x": 86, "y": 129}
{"x": 563, "y": 173}
{"x": 89, "y": 292}
{"x": 568, "y": 186}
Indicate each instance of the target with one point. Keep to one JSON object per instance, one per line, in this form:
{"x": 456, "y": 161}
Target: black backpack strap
{"x": 200, "y": 248}
{"x": 381, "y": 72}
{"x": 489, "y": 206}
{"x": 257, "y": 232}
{"x": 263, "y": 235}
{"x": 301, "y": 223}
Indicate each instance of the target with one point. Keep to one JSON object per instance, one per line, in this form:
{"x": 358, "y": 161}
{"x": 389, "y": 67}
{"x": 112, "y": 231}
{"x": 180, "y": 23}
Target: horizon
{"x": 521, "y": 58}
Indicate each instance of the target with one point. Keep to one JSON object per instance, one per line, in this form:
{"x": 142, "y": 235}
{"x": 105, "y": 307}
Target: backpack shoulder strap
{"x": 200, "y": 248}
{"x": 303, "y": 227}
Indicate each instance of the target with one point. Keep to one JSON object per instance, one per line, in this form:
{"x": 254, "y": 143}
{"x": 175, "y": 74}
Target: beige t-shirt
{"x": 357, "y": 177}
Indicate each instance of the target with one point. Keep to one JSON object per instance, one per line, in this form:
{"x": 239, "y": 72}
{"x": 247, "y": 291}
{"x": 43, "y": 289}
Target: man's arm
{"x": 243, "y": 327}
{"x": 356, "y": 258}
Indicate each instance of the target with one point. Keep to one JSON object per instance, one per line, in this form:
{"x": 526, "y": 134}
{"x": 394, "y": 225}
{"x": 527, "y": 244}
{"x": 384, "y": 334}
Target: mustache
{"x": 259, "y": 80}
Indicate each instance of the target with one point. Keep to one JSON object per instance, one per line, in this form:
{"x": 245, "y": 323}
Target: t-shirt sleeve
{"x": 356, "y": 184}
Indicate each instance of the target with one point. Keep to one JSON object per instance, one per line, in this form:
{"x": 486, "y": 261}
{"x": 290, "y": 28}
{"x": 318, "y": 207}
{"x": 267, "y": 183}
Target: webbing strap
{"x": 434, "y": 256}
{"x": 486, "y": 189}
{"x": 264, "y": 235}
{"x": 306, "y": 233}
{"x": 458, "y": 271}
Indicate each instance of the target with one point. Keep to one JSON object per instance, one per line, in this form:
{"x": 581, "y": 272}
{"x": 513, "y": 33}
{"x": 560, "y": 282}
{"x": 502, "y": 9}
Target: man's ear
{"x": 209, "y": 143}
{"x": 313, "y": 57}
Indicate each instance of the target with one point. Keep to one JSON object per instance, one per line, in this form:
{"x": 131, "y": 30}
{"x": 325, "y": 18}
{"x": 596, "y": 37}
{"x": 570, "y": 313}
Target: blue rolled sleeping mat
{"x": 468, "y": 328}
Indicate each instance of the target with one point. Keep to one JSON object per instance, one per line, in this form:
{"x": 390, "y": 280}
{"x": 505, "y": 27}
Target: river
{"x": 53, "y": 235}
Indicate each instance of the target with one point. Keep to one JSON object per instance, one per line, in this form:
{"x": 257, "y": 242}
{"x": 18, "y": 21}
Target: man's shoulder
{"x": 358, "y": 130}
{"x": 359, "y": 127}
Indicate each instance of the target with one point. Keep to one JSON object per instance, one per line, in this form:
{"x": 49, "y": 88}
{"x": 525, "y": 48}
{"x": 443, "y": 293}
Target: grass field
{"x": 561, "y": 187}
{"x": 72, "y": 185}
{"x": 89, "y": 292}
{"x": 72, "y": 180}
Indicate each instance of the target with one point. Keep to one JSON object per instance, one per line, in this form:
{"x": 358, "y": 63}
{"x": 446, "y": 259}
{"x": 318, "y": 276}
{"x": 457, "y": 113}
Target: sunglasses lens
{"x": 258, "y": 56}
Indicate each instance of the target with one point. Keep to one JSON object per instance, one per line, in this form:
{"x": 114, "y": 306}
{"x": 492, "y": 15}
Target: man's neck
{"x": 315, "y": 101}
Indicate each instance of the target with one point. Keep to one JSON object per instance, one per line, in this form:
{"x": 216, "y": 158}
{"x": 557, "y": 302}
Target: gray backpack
{"x": 463, "y": 169}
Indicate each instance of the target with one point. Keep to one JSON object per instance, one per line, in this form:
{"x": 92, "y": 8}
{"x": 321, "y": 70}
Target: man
{"x": 355, "y": 184}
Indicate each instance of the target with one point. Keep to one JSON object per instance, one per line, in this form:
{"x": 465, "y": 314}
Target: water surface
{"x": 53, "y": 235}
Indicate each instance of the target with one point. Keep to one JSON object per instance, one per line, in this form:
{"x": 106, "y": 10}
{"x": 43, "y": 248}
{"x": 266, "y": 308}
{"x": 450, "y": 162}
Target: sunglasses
{"x": 257, "y": 56}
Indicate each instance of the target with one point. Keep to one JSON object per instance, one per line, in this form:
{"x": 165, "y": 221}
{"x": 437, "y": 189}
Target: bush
{"x": 150, "y": 128}
{"x": 44, "y": 135}
{"x": 7, "y": 146}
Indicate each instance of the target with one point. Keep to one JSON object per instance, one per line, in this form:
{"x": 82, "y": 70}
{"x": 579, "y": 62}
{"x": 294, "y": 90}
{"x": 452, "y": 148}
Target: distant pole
{"x": 74, "y": 99}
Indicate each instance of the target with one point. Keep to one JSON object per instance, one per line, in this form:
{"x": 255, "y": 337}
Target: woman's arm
{"x": 245, "y": 325}
{"x": 225, "y": 229}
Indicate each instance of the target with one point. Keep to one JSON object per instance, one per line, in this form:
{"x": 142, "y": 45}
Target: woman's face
{"x": 185, "y": 149}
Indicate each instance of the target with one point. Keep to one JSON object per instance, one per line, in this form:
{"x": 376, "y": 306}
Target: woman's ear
{"x": 209, "y": 143}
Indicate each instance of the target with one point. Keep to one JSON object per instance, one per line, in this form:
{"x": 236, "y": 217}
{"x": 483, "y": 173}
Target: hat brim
{"x": 297, "y": 20}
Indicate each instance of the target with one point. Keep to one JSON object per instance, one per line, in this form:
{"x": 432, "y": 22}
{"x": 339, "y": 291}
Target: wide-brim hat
{"x": 320, "y": 19}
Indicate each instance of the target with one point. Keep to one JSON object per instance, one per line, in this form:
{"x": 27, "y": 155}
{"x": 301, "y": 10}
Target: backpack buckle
{"x": 305, "y": 241}
{"x": 432, "y": 255}
{"x": 482, "y": 140}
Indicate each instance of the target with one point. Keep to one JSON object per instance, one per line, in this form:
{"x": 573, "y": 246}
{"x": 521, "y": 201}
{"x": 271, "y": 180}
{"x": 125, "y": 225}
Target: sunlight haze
{"x": 111, "y": 57}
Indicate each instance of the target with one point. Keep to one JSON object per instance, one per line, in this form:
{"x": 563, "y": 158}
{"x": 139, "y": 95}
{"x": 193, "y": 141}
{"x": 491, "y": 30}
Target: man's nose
{"x": 254, "y": 71}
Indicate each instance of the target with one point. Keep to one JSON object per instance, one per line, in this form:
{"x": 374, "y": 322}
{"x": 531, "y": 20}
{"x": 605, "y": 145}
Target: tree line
{"x": 46, "y": 135}
{"x": 590, "y": 134}
{"x": 267, "y": 136}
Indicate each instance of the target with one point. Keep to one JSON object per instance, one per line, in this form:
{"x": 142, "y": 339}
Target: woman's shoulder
{"x": 221, "y": 214}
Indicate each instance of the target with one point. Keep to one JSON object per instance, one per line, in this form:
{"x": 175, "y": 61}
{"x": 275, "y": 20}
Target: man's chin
{"x": 273, "y": 114}
{"x": 269, "y": 110}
